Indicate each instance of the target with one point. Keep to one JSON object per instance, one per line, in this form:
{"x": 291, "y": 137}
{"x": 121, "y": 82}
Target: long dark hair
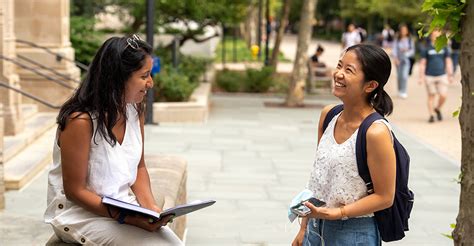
{"x": 102, "y": 92}
{"x": 376, "y": 66}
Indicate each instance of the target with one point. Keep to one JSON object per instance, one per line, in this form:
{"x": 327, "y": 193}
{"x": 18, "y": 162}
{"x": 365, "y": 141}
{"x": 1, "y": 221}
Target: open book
{"x": 175, "y": 211}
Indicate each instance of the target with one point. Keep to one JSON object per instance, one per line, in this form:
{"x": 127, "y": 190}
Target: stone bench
{"x": 168, "y": 175}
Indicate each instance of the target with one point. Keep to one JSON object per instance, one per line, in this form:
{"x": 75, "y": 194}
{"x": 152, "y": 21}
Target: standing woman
{"x": 348, "y": 217}
{"x": 403, "y": 49}
{"x": 98, "y": 151}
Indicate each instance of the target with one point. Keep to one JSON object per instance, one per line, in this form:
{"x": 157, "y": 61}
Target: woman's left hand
{"x": 323, "y": 212}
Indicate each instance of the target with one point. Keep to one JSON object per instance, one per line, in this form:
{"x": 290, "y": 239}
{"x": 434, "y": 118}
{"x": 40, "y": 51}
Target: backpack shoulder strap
{"x": 361, "y": 149}
{"x": 331, "y": 113}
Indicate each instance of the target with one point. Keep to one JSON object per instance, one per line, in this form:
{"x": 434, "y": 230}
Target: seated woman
{"x": 98, "y": 151}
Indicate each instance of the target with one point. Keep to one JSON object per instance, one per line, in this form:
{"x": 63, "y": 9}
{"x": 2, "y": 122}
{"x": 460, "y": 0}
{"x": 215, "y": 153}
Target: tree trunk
{"x": 249, "y": 27}
{"x": 463, "y": 234}
{"x": 296, "y": 90}
{"x": 285, "y": 12}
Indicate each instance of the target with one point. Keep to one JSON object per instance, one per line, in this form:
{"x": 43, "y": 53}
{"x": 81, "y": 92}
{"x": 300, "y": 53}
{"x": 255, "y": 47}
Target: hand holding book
{"x": 128, "y": 208}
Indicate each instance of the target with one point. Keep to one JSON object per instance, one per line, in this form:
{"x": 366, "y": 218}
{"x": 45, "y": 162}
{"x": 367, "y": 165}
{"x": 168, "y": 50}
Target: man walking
{"x": 436, "y": 72}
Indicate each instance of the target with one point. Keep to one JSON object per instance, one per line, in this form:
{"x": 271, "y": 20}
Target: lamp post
{"x": 259, "y": 29}
{"x": 268, "y": 31}
{"x": 150, "y": 95}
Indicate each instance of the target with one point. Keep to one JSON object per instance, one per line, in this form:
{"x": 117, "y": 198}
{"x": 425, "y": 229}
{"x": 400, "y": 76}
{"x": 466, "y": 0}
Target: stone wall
{"x": 45, "y": 23}
{"x": 2, "y": 181}
{"x": 13, "y": 117}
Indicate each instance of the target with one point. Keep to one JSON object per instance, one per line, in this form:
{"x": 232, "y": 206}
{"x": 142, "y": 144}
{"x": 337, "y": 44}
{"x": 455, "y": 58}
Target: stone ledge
{"x": 195, "y": 110}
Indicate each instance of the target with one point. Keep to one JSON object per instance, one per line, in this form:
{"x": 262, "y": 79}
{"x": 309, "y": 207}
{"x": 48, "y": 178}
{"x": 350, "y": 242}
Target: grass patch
{"x": 242, "y": 52}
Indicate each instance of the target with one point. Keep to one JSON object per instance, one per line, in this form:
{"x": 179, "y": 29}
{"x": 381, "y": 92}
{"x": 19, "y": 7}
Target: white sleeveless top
{"x": 111, "y": 169}
{"x": 335, "y": 178}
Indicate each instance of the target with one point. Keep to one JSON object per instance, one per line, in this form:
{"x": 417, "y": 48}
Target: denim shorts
{"x": 354, "y": 231}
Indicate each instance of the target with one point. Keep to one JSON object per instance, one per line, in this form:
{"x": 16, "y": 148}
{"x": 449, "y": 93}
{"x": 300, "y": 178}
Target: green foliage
{"x": 193, "y": 67}
{"x": 449, "y": 235}
{"x": 176, "y": 85}
{"x": 446, "y": 16}
{"x": 280, "y": 84}
{"x": 252, "y": 80}
{"x": 85, "y": 40}
{"x": 456, "y": 113}
{"x": 204, "y": 13}
{"x": 401, "y": 10}
{"x": 258, "y": 80}
{"x": 242, "y": 51}
{"x": 87, "y": 8}
{"x": 172, "y": 86}
{"x": 230, "y": 81}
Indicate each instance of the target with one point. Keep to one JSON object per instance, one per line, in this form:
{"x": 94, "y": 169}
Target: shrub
{"x": 258, "y": 80}
{"x": 84, "y": 38}
{"x": 172, "y": 86}
{"x": 193, "y": 67}
{"x": 280, "y": 84}
{"x": 230, "y": 81}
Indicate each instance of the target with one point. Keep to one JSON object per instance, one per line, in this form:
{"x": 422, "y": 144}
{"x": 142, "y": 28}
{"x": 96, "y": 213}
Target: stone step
{"x": 32, "y": 160}
{"x": 35, "y": 126}
{"x": 28, "y": 110}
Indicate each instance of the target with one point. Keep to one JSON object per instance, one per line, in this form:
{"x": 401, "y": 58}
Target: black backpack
{"x": 392, "y": 222}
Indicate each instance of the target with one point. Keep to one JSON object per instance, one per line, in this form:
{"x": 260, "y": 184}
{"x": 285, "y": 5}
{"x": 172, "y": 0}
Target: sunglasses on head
{"x": 133, "y": 41}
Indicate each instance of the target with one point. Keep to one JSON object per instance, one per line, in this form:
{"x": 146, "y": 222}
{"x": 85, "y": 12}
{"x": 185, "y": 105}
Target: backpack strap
{"x": 361, "y": 150}
{"x": 331, "y": 113}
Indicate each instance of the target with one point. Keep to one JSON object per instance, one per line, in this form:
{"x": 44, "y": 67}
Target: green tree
{"x": 194, "y": 15}
{"x": 370, "y": 10}
{"x": 84, "y": 37}
{"x": 457, "y": 16}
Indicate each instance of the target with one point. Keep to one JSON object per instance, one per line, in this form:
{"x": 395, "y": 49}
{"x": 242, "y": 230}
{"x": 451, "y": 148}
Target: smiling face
{"x": 349, "y": 78}
{"x": 140, "y": 81}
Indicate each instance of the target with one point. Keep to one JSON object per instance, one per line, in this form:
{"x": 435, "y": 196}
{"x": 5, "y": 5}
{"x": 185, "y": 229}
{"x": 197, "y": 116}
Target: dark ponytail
{"x": 376, "y": 66}
{"x": 381, "y": 101}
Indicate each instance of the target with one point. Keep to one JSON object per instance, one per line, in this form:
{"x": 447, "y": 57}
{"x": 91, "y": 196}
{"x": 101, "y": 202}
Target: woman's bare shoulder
{"x": 79, "y": 120}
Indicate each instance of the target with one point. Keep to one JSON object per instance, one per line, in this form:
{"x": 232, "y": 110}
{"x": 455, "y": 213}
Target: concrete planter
{"x": 196, "y": 110}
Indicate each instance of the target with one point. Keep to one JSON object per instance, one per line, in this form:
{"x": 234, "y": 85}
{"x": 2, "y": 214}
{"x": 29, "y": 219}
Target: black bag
{"x": 411, "y": 59}
{"x": 392, "y": 222}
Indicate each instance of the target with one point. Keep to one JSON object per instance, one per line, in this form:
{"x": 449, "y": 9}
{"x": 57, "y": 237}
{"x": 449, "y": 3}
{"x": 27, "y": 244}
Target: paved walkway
{"x": 253, "y": 159}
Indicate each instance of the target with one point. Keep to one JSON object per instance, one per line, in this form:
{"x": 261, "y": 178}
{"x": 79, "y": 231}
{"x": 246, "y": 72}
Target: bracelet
{"x": 343, "y": 213}
{"x": 122, "y": 215}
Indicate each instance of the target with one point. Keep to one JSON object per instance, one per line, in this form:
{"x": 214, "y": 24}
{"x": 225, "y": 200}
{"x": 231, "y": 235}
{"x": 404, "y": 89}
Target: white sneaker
{"x": 403, "y": 95}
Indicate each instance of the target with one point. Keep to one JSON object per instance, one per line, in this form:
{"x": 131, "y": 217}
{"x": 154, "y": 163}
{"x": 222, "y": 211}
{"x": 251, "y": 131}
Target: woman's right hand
{"x": 298, "y": 241}
{"x": 145, "y": 223}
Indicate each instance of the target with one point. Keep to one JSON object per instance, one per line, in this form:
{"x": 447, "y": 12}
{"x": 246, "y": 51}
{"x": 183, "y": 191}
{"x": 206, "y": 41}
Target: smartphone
{"x": 302, "y": 210}
{"x": 316, "y": 202}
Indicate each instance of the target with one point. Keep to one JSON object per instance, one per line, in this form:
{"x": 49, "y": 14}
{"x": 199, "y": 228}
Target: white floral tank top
{"x": 335, "y": 178}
